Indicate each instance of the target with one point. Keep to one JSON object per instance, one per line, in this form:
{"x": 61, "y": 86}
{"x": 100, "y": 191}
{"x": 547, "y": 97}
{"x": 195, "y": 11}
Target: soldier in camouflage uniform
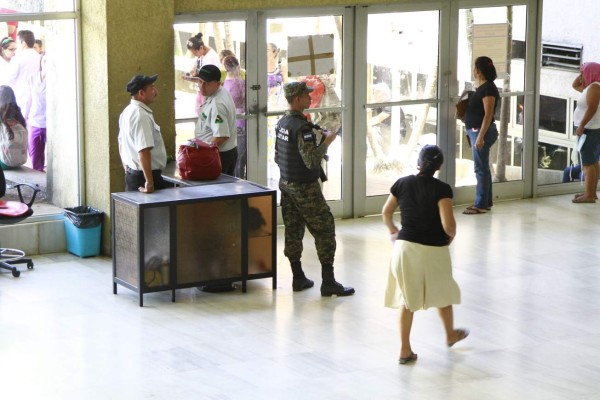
{"x": 302, "y": 203}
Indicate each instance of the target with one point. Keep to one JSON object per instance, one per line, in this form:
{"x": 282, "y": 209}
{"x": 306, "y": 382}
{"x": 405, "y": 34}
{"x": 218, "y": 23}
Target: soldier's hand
{"x": 329, "y": 137}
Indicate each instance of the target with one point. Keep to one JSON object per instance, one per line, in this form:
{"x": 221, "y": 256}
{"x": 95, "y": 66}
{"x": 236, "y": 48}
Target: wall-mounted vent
{"x": 561, "y": 56}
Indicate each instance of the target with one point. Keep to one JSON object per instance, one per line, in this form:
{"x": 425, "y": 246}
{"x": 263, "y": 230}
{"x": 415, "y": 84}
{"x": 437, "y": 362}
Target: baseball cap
{"x": 139, "y": 81}
{"x": 294, "y": 89}
{"x": 209, "y": 73}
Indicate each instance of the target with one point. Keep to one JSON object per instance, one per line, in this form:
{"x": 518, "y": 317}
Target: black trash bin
{"x": 83, "y": 228}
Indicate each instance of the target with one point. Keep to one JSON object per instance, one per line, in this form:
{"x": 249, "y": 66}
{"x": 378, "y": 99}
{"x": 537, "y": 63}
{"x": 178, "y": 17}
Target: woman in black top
{"x": 420, "y": 274}
{"x": 482, "y": 132}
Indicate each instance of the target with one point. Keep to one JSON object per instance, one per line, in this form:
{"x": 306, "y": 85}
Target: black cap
{"x": 209, "y": 73}
{"x": 138, "y": 82}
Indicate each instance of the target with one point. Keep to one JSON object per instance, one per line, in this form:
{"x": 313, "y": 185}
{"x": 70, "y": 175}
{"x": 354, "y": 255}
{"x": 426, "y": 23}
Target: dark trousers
{"x": 135, "y": 179}
{"x": 228, "y": 161}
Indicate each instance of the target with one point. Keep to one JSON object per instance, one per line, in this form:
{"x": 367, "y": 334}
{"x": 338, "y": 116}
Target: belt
{"x": 131, "y": 171}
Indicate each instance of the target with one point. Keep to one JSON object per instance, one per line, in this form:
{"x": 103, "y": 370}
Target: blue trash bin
{"x": 83, "y": 228}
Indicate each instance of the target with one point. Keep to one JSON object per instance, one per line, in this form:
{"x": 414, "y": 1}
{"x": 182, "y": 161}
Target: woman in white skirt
{"x": 420, "y": 273}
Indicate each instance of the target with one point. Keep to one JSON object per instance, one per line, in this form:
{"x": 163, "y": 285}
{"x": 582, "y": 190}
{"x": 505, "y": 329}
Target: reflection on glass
{"x": 156, "y": 246}
{"x": 485, "y": 32}
{"x": 307, "y": 49}
{"x": 260, "y": 235}
{"x": 553, "y": 160}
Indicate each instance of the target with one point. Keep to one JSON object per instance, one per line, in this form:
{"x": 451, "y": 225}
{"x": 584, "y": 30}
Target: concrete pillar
{"x": 121, "y": 38}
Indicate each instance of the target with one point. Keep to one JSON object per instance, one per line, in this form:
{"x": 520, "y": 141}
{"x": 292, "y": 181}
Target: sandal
{"x": 581, "y": 194}
{"x": 461, "y": 334}
{"x": 472, "y": 210}
{"x": 579, "y": 200}
{"x": 405, "y": 360}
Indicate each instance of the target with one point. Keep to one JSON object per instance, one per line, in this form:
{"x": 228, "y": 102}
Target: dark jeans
{"x": 481, "y": 159}
{"x": 135, "y": 179}
{"x": 228, "y": 161}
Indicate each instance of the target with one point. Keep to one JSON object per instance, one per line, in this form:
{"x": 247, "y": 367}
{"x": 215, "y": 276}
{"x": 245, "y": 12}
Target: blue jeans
{"x": 481, "y": 158}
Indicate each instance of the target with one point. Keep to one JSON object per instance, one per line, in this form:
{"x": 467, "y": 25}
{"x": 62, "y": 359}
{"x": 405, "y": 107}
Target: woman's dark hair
{"x": 9, "y": 110}
{"x": 431, "y": 159}
{"x": 5, "y": 42}
{"x": 485, "y": 65}
{"x": 195, "y": 42}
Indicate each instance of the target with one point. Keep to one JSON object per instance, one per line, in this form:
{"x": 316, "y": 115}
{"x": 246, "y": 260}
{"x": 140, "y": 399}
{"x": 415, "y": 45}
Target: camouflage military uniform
{"x": 303, "y": 205}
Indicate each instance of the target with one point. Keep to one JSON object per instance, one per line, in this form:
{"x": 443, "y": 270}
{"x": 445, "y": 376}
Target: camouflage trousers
{"x": 303, "y": 206}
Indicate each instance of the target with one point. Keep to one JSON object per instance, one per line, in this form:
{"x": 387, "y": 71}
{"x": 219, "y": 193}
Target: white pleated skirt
{"x": 420, "y": 277}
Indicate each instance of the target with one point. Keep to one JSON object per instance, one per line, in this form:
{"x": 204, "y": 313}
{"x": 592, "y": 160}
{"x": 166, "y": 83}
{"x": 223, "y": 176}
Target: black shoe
{"x": 299, "y": 284}
{"x": 329, "y": 288}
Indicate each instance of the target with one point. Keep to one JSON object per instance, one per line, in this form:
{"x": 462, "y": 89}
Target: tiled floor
{"x": 530, "y": 278}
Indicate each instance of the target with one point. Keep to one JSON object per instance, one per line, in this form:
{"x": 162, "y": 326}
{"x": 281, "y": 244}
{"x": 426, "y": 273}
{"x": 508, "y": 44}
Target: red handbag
{"x": 198, "y": 161}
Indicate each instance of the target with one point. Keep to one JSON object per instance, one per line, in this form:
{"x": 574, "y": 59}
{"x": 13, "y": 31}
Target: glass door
{"x": 500, "y": 33}
{"x": 412, "y": 64}
{"x": 399, "y": 81}
{"x": 305, "y": 48}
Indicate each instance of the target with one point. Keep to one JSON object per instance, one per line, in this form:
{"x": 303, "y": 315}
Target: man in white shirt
{"x": 141, "y": 145}
{"x": 216, "y": 122}
{"x": 22, "y": 67}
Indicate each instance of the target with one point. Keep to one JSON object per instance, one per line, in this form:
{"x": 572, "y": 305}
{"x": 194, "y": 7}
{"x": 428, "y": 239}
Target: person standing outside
{"x": 205, "y": 55}
{"x": 23, "y": 66}
{"x": 37, "y": 118}
{"x": 482, "y": 131}
{"x": 420, "y": 274}
{"x": 38, "y": 46}
{"x": 216, "y": 122}
{"x": 141, "y": 145}
{"x": 8, "y": 49}
{"x": 303, "y": 205}
{"x": 235, "y": 84}
{"x": 587, "y": 122}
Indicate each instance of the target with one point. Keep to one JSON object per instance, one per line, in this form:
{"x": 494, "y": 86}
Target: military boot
{"x": 300, "y": 281}
{"x": 330, "y": 286}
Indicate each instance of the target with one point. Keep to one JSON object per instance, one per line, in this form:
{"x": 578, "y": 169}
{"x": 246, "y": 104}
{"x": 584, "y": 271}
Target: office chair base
{"x": 13, "y": 256}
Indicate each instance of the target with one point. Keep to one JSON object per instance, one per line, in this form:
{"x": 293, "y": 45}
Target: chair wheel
{"x": 16, "y": 273}
{"x": 30, "y": 265}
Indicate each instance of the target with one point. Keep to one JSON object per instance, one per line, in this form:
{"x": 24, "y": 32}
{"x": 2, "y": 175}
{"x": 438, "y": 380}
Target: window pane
{"x": 394, "y": 40}
{"x": 484, "y": 32}
{"x": 219, "y": 36}
{"x": 553, "y": 160}
{"x": 395, "y": 136}
{"x": 54, "y": 108}
{"x": 35, "y": 6}
{"x": 553, "y": 114}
